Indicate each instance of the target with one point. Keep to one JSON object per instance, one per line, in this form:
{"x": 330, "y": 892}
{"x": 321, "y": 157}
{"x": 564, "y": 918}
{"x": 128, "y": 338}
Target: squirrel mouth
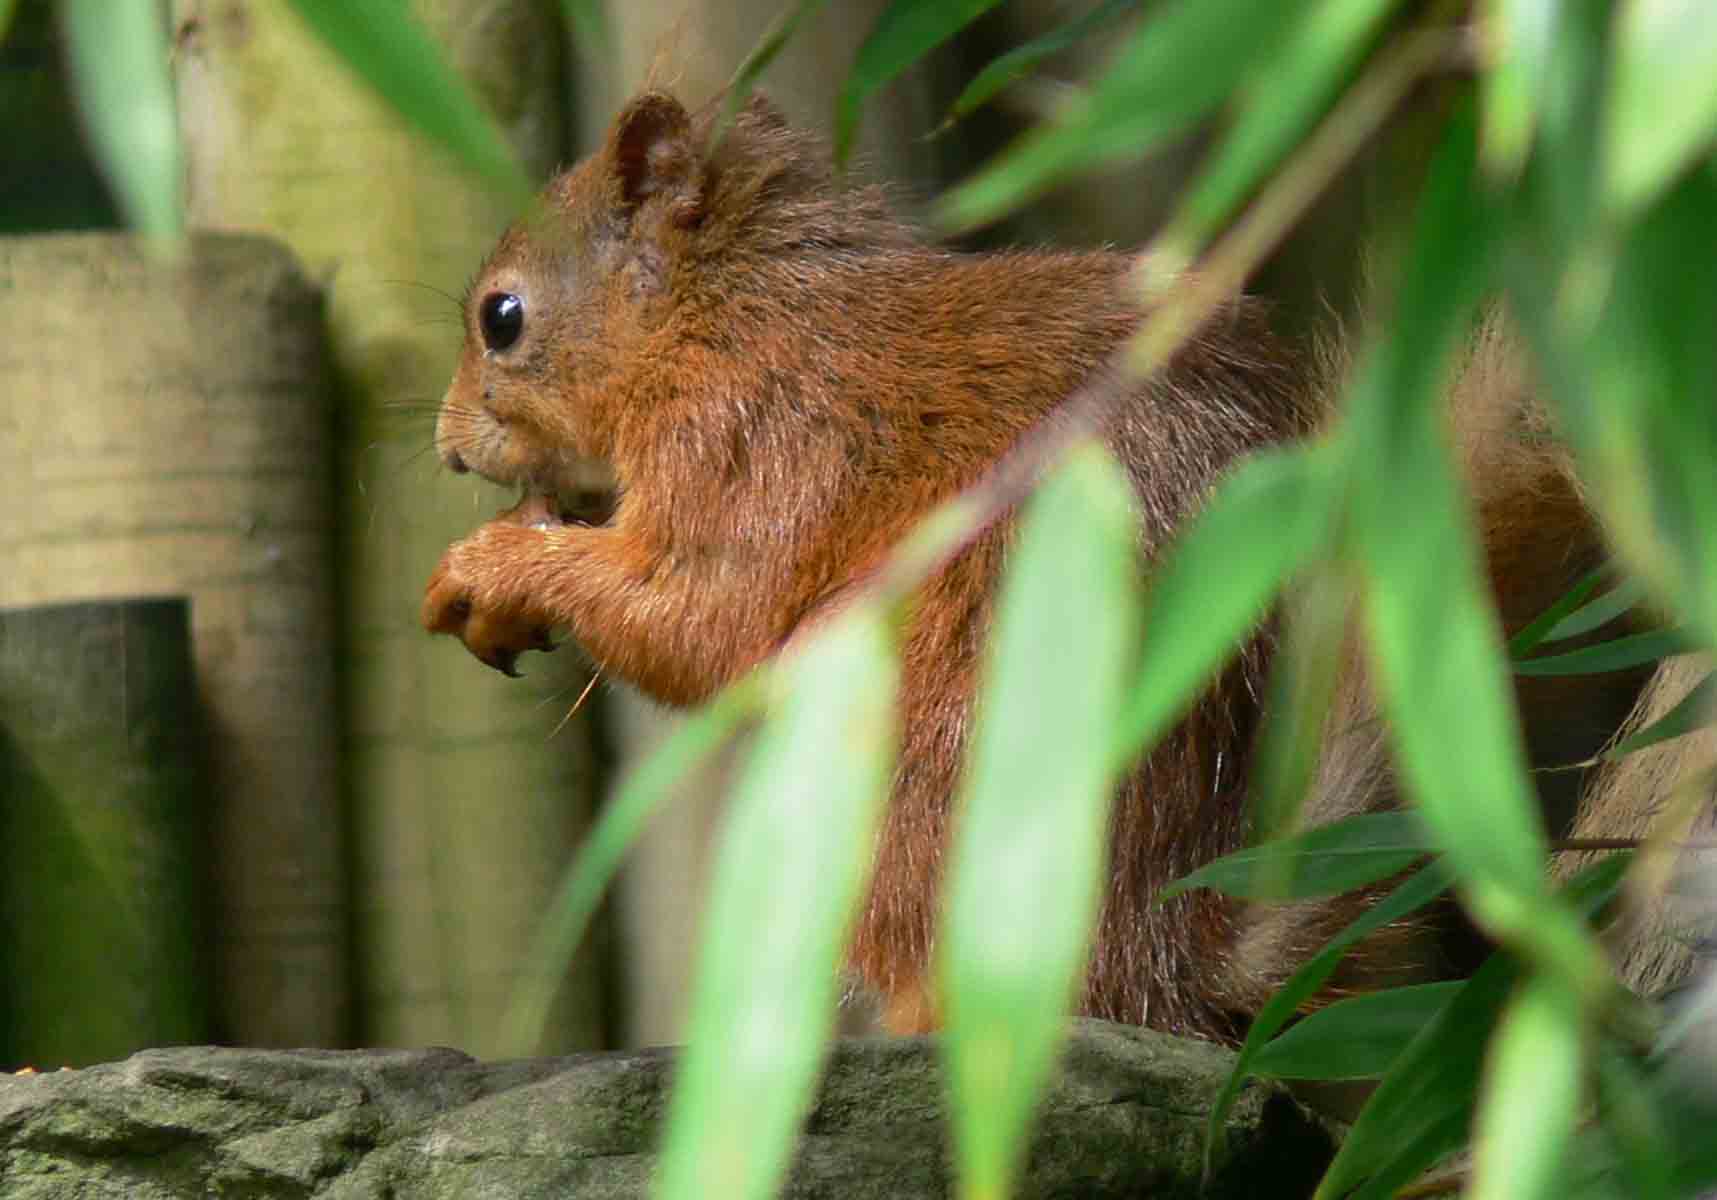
{"x": 546, "y": 510}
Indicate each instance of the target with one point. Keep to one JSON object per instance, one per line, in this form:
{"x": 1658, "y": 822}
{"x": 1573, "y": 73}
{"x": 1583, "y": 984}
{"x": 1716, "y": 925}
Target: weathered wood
{"x": 167, "y": 432}
{"x": 464, "y": 807}
{"x": 1125, "y": 1120}
{"x": 101, "y": 816}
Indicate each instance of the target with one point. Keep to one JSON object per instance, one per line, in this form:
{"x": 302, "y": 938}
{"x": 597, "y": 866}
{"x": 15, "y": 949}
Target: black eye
{"x": 502, "y": 319}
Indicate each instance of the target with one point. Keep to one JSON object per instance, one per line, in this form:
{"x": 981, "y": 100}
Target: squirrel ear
{"x": 651, "y": 147}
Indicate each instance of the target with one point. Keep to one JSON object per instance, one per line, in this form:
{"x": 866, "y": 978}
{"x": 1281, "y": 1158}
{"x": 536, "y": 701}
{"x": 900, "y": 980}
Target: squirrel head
{"x": 578, "y": 324}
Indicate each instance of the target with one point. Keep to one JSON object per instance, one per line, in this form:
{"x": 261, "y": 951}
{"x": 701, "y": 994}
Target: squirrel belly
{"x": 780, "y": 380}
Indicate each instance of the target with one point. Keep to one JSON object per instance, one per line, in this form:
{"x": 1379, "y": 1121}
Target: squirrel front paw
{"x": 493, "y": 630}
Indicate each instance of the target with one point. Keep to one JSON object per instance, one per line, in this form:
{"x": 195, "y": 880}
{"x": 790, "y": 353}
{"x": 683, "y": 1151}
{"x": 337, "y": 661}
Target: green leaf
{"x": 906, "y": 31}
{"x": 1538, "y": 629}
{"x": 1661, "y": 107}
{"x": 1419, "y": 1111}
{"x": 1418, "y": 891}
{"x": 773, "y": 41}
{"x": 1215, "y": 583}
{"x": 1620, "y": 654}
{"x": 1357, "y": 1038}
{"x": 1176, "y": 68}
{"x": 622, "y": 820}
{"x": 1285, "y": 97}
{"x": 1531, "y": 1097}
{"x": 1622, "y": 598}
{"x": 1025, "y": 879}
{"x": 8, "y": 10}
{"x": 1325, "y": 861}
{"x": 1434, "y": 635}
{"x": 1021, "y": 61}
{"x": 789, "y": 873}
{"x": 1692, "y": 711}
{"x": 1650, "y": 433}
{"x": 397, "y": 58}
{"x": 1316, "y": 620}
{"x": 1512, "y": 90}
{"x": 118, "y": 54}
{"x": 1638, "y": 1128}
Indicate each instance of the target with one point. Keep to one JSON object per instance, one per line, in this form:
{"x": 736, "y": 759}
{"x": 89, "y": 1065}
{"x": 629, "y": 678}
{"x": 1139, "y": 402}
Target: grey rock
{"x": 1124, "y": 1119}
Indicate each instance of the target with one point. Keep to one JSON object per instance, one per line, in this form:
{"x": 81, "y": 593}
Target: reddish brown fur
{"x": 783, "y": 380}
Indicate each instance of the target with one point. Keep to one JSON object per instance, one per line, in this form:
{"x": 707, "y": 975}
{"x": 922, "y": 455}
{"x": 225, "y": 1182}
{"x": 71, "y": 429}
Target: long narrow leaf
{"x": 906, "y": 31}
{"x": 1177, "y": 67}
{"x": 1418, "y": 891}
{"x": 1357, "y": 1038}
{"x": 1537, "y": 630}
{"x": 1435, "y": 639}
{"x": 1531, "y": 1096}
{"x": 1692, "y": 711}
{"x": 1661, "y": 110}
{"x": 1289, "y": 92}
{"x": 1021, "y": 61}
{"x": 789, "y": 872}
{"x": 1421, "y": 1109}
{"x": 393, "y": 54}
{"x": 1523, "y": 36}
{"x": 1263, "y": 523}
{"x": 1622, "y": 598}
{"x": 1026, "y": 875}
{"x": 768, "y": 47}
{"x": 1325, "y": 861}
{"x": 1621, "y": 654}
{"x": 118, "y": 51}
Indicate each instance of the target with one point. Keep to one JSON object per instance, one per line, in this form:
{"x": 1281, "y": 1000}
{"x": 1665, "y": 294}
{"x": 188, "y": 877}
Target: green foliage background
{"x": 1573, "y": 178}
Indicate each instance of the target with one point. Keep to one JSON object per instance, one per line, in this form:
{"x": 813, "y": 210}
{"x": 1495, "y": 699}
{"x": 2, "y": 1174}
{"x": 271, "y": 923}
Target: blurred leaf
{"x": 906, "y": 31}
{"x": 1418, "y": 891}
{"x": 1537, "y": 630}
{"x": 1026, "y": 875}
{"x": 1661, "y": 107}
{"x": 1692, "y": 711}
{"x": 773, "y": 41}
{"x": 1215, "y": 583}
{"x": 1532, "y": 1094}
{"x": 1622, "y": 598}
{"x": 1021, "y": 61}
{"x": 618, "y": 827}
{"x": 1420, "y": 1110}
{"x": 394, "y": 55}
{"x": 588, "y": 20}
{"x": 1356, "y": 1038}
{"x": 1304, "y": 671}
{"x": 1650, "y": 428}
{"x": 790, "y": 869}
{"x": 1434, "y": 636}
{"x": 1632, "y": 650}
{"x": 1512, "y": 89}
{"x": 118, "y": 54}
{"x": 8, "y": 10}
{"x": 1641, "y": 1135}
{"x": 1178, "y": 66}
{"x": 1283, "y": 99}
{"x": 1325, "y": 861}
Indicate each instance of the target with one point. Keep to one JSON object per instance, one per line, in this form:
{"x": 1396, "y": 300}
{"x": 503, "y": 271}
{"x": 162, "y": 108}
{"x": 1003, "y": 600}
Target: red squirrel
{"x": 782, "y": 378}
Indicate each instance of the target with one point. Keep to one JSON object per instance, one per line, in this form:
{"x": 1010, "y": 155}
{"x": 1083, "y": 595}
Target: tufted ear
{"x": 653, "y": 152}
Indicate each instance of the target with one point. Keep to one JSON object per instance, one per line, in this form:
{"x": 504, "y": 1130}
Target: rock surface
{"x": 1125, "y": 1119}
